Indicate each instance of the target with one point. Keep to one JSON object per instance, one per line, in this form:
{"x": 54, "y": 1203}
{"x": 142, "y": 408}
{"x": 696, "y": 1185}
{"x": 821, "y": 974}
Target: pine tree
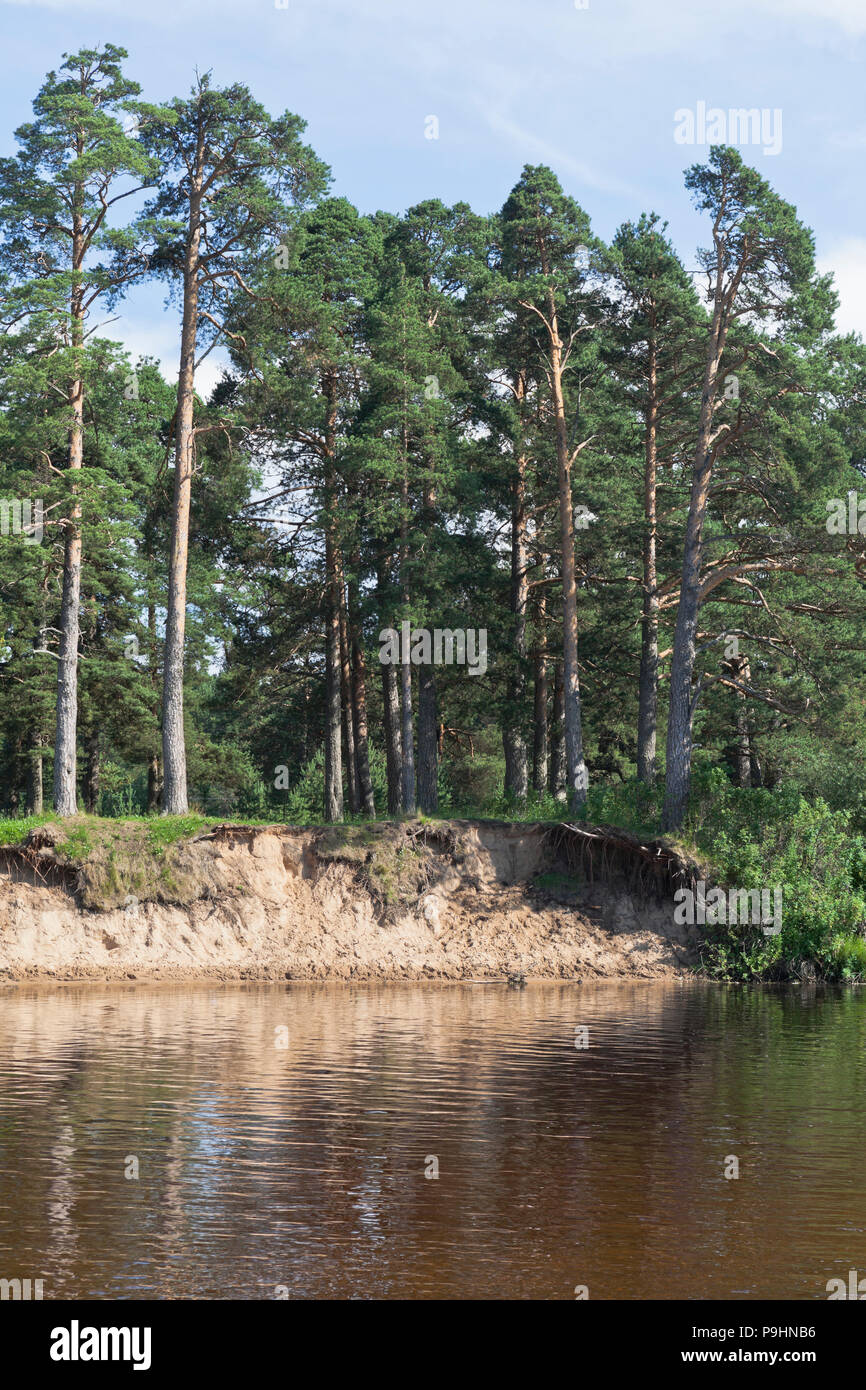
{"x": 760, "y": 270}
{"x": 655, "y": 328}
{"x": 74, "y": 164}
{"x": 226, "y": 168}
{"x": 545, "y": 246}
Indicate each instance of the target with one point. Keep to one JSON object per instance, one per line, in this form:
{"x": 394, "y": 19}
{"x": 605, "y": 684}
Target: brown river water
{"x": 271, "y": 1141}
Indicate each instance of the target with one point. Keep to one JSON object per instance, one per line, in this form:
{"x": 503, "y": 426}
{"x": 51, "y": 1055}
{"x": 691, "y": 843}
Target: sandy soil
{"x": 272, "y": 907}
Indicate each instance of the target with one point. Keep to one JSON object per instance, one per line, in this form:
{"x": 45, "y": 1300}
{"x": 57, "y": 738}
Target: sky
{"x": 596, "y": 89}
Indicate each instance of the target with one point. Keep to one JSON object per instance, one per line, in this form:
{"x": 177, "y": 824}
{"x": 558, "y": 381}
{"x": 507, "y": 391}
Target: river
{"x": 432, "y": 1140}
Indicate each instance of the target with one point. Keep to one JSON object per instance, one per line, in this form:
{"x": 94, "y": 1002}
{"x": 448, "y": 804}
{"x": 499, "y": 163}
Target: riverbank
{"x": 412, "y": 900}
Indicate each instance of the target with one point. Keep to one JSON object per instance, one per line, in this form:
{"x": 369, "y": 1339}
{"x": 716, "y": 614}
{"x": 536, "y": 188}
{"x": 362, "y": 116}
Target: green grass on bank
{"x": 162, "y": 831}
{"x": 116, "y": 859}
{"x": 756, "y": 839}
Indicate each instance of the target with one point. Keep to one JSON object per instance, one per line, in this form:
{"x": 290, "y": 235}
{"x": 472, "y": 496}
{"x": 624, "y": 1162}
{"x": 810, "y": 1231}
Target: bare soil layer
{"x": 449, "y": 900}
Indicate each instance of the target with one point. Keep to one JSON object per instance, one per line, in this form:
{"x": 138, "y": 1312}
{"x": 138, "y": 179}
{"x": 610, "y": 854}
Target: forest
{"x": 633, "y": 477}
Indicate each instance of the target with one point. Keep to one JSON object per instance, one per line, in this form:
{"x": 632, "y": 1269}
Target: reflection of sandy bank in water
{"x": 260, "y": 1035}
{"x": 272, "y": 907}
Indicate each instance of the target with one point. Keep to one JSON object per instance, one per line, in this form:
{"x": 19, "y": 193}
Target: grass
{"x": 14, "y": 830}
{"x": 164, "y": 831}
{"x": 144, "y": 857}
{"x": 379, "y": 851}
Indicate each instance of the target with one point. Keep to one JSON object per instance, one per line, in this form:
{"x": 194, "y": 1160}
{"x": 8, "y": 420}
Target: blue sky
{"x": 590, "y": 91}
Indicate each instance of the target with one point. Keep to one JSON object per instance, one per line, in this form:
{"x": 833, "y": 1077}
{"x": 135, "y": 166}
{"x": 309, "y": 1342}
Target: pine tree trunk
{"x": 346, "y": 699}
{"x": 390, "y": 694}
{"x": 154, "y": 766}
{"x": 407, "y": 780}
{"x": 428, "y": 742}
{"x": 576, "y": 775}
{"x": 333, "y": 809}
{"x": 34, "y": 775}
{"x": 333, "y": 605}
{"x": 514, "y": 742}
{"x": 175, "y": 794}
{"x": 154, "y": 784}
{"x": 407, "y": 738}
{"x": 558, "y": 766}
{"x": 66, "y": 730}
{"x": 65, "y": 765}
{"x": 333, "y": 751}
{"x": 742, "y": 673}
{"x": 755, "y": 762}
{"x": 359, "y": 696}
{"x": 393, "y": 739}
{"x": 428, "y": 720}
{"x": 649, "y": 657}
{"x": 540, "y": 738}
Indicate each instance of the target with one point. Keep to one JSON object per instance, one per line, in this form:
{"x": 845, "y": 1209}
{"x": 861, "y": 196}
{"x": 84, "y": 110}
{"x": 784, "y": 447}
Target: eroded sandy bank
{"x": 463, "y": 900}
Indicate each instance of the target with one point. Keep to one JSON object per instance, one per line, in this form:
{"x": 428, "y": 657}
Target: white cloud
{"x": 162, "y": 341}
{"x": 537, "y": 148}
{"x": 848, "y": 264}
{"x": 849, "y": 15}
{"x": 665, "y": 24}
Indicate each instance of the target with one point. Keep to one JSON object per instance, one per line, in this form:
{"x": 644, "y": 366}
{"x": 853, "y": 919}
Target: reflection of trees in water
{"x": 305, "y": 1166}
{"x": 61, "y": 1198}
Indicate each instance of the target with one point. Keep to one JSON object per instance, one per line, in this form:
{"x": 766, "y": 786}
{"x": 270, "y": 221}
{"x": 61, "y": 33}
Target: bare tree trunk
{"x": 558, "y": 765}
{"x": 742, "y": 673}
{"x": 576, "y": 775}
{"x": 333, "y": 808}
{"x": 393, "y": 739}
{"x": 428, "y": 720}
{"x": 755, "y": 761}
{"x": 333, "y": 752}
{"x": 66, "y": 731}
{"x": 540, "y": 739}
{"x": 359, "y": 696}
{"x": 65, "y": 764}
{"x": 390, "y": 696}
{"x": 154, "y": 784}
{"x": 428, "y": 741}
{"x": 407, "y": 780}
{"x": 34, "y": 775}
{"x": 175, "y": 794}
{"x": 333, "y": 606}
{"x": 514, "y": 742}
{"x": 407, "y": 733}
{"x": 154, "y": 764}
{"x": 346, "y": 698}
{"x": 649, "y": 656}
